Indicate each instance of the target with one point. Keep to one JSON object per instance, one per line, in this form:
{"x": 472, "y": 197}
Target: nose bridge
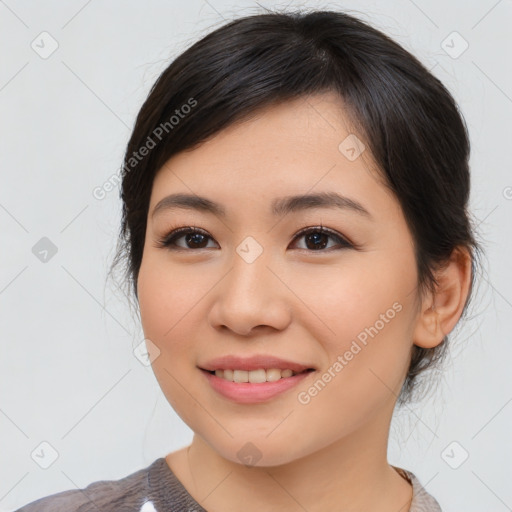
{"x": 250, "y": 294}
{"x": 250, "y": 276}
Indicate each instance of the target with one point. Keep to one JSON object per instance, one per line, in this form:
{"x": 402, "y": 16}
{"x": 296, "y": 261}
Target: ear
{"x": 441, "y": 311}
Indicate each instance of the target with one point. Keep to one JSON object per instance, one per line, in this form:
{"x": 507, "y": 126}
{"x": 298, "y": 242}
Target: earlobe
{"x": 442, "y": 310}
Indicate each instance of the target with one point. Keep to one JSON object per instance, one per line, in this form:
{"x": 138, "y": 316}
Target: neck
{"x": 350, "y": 474}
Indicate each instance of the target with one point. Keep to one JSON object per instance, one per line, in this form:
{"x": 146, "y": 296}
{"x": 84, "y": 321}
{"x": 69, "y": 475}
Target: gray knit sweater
{"x": 157, "y": 489}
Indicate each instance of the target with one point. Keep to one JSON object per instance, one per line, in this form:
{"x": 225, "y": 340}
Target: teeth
{"x": 240, "y": 376}
{"x": 254, "y": 376}
{"x": 273, "y": 375}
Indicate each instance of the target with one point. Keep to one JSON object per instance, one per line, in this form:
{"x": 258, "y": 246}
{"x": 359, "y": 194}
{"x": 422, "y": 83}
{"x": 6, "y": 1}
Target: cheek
{"x": 367, "y": 360}
{"x": 168, "y": 297}
{"x": 363, "y": 320}
{"x": 169, "y": 305}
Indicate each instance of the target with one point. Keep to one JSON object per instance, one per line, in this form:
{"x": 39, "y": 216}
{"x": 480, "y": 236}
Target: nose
{"x": 251, "y": 298}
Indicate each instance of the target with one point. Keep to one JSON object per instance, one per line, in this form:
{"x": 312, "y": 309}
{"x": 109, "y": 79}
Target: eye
{"x": 196, "y": 238}
{"x": 317, "y": 238}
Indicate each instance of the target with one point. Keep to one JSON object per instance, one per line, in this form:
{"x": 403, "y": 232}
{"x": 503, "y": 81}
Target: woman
{"x": 295, "y": 231}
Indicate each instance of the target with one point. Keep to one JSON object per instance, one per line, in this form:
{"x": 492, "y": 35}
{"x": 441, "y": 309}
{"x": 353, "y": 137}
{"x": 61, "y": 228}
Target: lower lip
{"x": 253, "y": 393}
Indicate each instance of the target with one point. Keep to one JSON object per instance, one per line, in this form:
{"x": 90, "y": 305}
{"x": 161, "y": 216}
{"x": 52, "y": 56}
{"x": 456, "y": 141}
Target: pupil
{"x": 193, "y": 238}
{"x": 315, "y": 237}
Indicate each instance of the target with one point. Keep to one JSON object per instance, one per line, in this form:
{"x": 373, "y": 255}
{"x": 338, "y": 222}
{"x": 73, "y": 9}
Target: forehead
{"x": 297, "y": 147}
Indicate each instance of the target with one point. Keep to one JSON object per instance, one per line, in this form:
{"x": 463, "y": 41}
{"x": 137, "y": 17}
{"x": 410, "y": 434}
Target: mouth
{"x": 254, "y": 386}
{"x": 254, "y": 363}
{"x": 258, "y": 376}
{"x": 254, "y": 379}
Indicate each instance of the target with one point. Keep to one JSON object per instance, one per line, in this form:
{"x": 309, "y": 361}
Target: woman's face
{"x": 249, "y": 285}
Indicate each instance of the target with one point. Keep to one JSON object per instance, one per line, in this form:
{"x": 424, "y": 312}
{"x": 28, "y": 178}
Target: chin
{"x": 252, "y": 451}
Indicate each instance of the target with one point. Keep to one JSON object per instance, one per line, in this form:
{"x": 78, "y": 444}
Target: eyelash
{"x": 168, "y": 241}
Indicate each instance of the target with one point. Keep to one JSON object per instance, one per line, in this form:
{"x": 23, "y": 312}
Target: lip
{"x": 255, "y": 362}
{"x": 252, "y": 393}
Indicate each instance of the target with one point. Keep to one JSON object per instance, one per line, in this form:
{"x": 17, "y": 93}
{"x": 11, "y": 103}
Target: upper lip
{"x": 255, "y": 362}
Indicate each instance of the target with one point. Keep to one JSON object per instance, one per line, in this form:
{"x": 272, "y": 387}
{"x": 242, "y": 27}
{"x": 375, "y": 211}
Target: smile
{"x": 245, "y": 391}
{"x": 255, "y": 376}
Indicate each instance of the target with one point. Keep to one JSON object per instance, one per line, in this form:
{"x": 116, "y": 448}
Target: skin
{"x": 293, "y": 302}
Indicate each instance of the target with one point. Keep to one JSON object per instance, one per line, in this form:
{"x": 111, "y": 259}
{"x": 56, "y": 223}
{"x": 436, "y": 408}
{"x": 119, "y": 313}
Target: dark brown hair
{"x": 406, "y": 117}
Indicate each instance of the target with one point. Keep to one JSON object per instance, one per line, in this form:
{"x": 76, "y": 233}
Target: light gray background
{"x": 68, "y": 373}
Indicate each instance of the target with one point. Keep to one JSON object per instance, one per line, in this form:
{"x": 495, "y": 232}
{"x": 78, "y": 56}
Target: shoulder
{"x": 123, "y": 495}
{"x": 422, "y": 501}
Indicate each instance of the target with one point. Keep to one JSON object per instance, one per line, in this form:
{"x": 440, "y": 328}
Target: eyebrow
{"x": 280, "y": 206}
